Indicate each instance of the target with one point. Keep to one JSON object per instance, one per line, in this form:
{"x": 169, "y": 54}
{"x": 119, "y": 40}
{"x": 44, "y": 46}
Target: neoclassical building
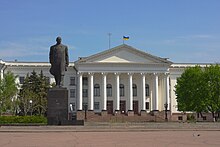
{"x": 122, "y": 80}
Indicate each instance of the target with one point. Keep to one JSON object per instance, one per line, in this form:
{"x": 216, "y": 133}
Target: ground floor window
{"x": 96, "y": 106}
{"x": 147, "y": 106}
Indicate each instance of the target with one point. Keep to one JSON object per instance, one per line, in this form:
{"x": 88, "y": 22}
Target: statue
{"x": 59, "y": 61}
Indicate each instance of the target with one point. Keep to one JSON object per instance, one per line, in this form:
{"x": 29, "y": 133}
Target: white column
{"x": 130, "y": 92}
{"x": 155, "y": 91}
{"x": 104, "y": 100}
{"x": 91, "y": 95}
{"x": 167, "y": 81}
{"x": 117, "y": 92}
{"x": 143, "y": 92}
{"x": 79, "y": 100}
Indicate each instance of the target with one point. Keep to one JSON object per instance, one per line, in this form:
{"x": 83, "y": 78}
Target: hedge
{"x": 22, "y": 119}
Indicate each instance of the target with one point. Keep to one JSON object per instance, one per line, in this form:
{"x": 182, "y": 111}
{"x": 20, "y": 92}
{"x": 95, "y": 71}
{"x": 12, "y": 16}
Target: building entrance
{"x": 123, "y": 107}
{"x": 110, "y": 107}
{"x": 135, "y": 107}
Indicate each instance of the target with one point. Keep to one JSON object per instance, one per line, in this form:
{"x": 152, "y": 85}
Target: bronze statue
{"x": 59, "y": 61}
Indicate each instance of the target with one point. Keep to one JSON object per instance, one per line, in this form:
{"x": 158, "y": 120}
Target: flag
{"x": 125, "y": 37}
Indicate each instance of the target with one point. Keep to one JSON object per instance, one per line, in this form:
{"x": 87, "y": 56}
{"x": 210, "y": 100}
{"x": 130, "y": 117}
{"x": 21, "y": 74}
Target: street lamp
{"x": 31, "y": 105}
{"x": 166, "y": 106}
{"x": 85, "y": 108}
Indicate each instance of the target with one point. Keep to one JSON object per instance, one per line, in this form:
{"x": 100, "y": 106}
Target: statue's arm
{"x": 67, "y": 57}
{"x": 51, "y": 55}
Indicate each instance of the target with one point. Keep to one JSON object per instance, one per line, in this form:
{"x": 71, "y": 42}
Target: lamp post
{"x": 85, "y": 108}
{"x": 166, "y": 106}
{"x": 31, "y": 106}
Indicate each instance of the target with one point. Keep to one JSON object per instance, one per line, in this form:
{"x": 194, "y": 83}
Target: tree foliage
{"x": 198, "y": 89}
{"x": 8, "y": 91}
{"x": 34, "y": 89}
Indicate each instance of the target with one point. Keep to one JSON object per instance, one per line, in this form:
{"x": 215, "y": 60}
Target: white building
{"x": 119, "y": 80}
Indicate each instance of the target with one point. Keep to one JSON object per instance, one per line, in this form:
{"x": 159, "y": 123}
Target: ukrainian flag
{"x": 125, "y": 37}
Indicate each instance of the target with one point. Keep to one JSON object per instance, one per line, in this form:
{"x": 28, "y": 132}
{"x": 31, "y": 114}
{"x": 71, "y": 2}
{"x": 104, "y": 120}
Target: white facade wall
{"x": 123, "y": 61}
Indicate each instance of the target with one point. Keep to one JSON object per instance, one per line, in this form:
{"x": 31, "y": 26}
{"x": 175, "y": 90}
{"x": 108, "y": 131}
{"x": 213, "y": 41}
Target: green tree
{"x": 212, "y": 89}
{"x": 8, "y": 91}
{"x": 190, "y": 90}
{"x": 35, "y": 88}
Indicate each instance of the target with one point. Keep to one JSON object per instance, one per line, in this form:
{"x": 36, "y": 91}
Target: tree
{"x": 35, "y": 88}
{"x": 8, "y": 91}
{"x": 212, "y": 89}
{"x": 199, "y": 90}
{"x": 190, "y": 89}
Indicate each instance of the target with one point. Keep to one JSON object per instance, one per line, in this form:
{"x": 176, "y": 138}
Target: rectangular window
{"x": 85, "y": 92}
{"x": 85, "y": 81}
{"x": 147, "y": 106}
{"x": 21, "y": 80}
{"x": 72, "y": 93}
{"x": 96, "y": 105}
{"x": 72, "y": 81}
{"x": 180, "y": 118}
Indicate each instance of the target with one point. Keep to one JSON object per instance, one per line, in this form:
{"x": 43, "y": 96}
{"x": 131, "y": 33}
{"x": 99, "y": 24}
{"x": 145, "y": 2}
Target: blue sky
{"x": 182, "y": 30}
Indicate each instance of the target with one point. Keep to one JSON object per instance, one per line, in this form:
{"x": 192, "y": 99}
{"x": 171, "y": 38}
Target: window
{"x": 72, "y": 81}
{"x": 134, "y": 90}
{"x": 72, "y": 93}
{"x": 122, "y": 90}
{"x": 96, "y": 105}
{"x": 21, "y": 80}
{"x": 180, "y": 118}
{"x": 109, "y": 90}
{"x": 147, "y": 90}
{"x": 85, "y": 81}
{"x": 147, "y": 105}
{"x": 85, "y": 92}
{"x": 96, "y": 90}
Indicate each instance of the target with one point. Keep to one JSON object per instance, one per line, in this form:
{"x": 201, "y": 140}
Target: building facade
{"x": 122, "y": 80}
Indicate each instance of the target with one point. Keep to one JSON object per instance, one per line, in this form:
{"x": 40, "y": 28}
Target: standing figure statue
{"x": 59, "y": 61}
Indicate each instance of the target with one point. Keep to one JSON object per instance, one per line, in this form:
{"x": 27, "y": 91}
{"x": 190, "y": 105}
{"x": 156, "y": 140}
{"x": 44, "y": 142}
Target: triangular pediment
{"x": 124, "y": 54}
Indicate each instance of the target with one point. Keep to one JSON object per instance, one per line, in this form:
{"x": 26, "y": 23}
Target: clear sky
{"x": 182, "y": 30}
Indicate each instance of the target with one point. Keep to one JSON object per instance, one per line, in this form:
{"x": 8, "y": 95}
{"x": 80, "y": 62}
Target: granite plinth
{"x": 57, "y": 106}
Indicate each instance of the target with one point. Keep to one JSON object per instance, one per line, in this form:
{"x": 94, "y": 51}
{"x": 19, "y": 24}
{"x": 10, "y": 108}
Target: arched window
{"x": 134, "y": 90}
{"x": 147, "y": 91}
{"x": 109, "y": 90}
{"x": 122, "y": 90}
{"x": 96, "y": 90}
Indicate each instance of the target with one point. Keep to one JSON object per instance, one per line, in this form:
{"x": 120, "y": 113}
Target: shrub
{"x": 22, "y": 119}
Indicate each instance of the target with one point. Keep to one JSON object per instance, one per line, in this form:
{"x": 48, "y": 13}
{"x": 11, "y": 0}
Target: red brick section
{"x": 103, "y": 117}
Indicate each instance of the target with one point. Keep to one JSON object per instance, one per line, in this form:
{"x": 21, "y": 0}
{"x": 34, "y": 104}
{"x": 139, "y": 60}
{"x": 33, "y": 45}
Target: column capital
{"x": 167, "y": 73}
{"x": 91, "y": 73}
{"x": 130, "y": 74}
{"x": 143, "y": 73}
{"x": 104, "y": 73}
{"x": 79, "y": 73}
{"x": 155, "y": 74}
{"x": 117, "y": 73}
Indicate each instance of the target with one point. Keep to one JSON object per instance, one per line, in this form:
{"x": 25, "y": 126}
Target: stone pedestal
{"x": 130, "y": 113}
{"x": 143, "y": 113}
{"x": 117, "y": 112}
{"x": 104, "y": 113}
{"x": 57, "y": 106}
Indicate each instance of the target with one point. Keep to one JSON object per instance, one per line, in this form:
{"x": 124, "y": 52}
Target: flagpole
{"x": 109, "y": 40}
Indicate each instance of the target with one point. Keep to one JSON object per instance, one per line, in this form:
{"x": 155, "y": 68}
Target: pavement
{"x": 113, "y": 135}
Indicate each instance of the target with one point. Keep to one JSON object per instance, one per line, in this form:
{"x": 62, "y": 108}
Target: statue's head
{"x": 58, "y": 40}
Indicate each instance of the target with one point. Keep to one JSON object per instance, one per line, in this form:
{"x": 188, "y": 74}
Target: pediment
{"x": 124, "y": 54}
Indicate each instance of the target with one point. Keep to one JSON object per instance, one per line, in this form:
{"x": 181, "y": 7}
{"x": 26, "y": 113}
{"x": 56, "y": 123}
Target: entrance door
{"x": 135, "y": 107}
{"x": 123, "y": 107}
{"x": 110, "y": 107}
